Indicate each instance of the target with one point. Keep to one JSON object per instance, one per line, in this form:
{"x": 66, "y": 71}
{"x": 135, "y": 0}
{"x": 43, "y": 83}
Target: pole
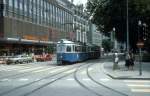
{"x": 114, "y": 41}
{"x": 127, "y": 46}
{"x": 140, "y": 62}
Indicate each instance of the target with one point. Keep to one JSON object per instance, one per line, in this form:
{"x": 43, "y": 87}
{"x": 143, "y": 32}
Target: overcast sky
{"x": 79, "y": 1}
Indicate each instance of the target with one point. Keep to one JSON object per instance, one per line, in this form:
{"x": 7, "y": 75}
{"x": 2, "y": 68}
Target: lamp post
{"x": 139, "y": 25}
{"x": 144, "y": 31}
{"x": 113, "y": 35}
{"x": 127, "y": 44}
{"x": 140, "y": 51}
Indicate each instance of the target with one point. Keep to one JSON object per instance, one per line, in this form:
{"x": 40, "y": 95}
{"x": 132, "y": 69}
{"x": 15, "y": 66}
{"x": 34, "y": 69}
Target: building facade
{"x": 81, "y": 25}
{"x": 30, "y": 25}
{"x": 94, "y": 36}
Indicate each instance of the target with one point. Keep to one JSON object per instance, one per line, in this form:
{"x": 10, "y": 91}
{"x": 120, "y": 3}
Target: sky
{"x": 79, "y": 1}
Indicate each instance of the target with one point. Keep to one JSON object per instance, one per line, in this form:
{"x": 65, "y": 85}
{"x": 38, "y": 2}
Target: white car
{"x": 14, "y": 59}
{"x": 19, "y": 59}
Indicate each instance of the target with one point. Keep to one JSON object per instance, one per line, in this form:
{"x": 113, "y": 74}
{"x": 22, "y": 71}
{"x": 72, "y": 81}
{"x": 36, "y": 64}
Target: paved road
{"x": 81, "y": 79}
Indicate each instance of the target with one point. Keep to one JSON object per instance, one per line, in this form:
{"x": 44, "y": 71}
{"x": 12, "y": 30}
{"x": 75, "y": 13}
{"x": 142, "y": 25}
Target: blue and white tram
{"x": 70, "y": 52}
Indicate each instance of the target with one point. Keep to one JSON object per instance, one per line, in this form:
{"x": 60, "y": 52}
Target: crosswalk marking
{"x": 13, "y": 68}
{"x": 137, "y": 81}
{"x": 138, "y": 86}
{"x": 23, "y": 79}
{"x": 4, "y": 79}
{"x": 141, "y": 90}
{"x": 104, "y": 79}
{"x": 43, "y": 70}
{"x": 70, "y": 79}
{"x": 86, "y": 79}
{"x": 16, "y": 69}
{"x": 84, "y": 72}
{"x": 57, "y": 70}
{"x": 30, "y": 69}
{"x": 70, "y": 71}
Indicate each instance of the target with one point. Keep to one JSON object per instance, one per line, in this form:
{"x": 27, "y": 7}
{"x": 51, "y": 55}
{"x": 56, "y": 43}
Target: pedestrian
{"x": 127, "y": 60}
{"x": 116, "y": 60}
{"x": 131, "y": 60}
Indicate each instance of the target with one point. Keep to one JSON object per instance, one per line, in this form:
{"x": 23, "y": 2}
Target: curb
{"x": 113, "y": 76}
{"x": 126, "y": 77}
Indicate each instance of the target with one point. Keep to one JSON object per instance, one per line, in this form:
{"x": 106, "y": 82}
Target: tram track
{"x": 22, "y": 73}
{"x": 98, "y": 83}
{"x": 103, "y": 85}
{"x": 51, "y": 76}
{"x": 83, "y": 85}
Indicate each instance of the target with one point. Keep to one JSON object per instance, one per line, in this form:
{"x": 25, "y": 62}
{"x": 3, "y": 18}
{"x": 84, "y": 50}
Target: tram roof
{"x": 65, "y": 41}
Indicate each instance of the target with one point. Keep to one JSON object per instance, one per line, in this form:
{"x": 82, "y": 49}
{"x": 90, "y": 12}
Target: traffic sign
{"x": 140, "y": 44}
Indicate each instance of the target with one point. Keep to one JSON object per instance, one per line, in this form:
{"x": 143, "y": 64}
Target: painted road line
{"x": 57, "y": 70}
{"x": 43, "y": 70}
{"x": 23, "y": 79}
{"x": 138, "y": 85}
{"x": 104, "y": 79}
{"x": 70, "y": 71}
{"x": 84, "y": 72}
{"x": 14, "y": 69}
{"x": 86, "y": 79}
{"x": 137, "y": 81}
{"x": 5, "y": 79}
{"x": 29, "y": 69}
{"x": 10, "y": 68}
{"x": 70, "y": 79}
{"x": 141, "y": 90}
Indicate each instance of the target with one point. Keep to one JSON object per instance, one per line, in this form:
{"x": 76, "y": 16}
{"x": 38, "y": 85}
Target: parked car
{"x": 45, "y": 57}
{"x": 19, "y": 59}
{"x": 26, "y": 58}
{"x": 14, "y": 59}
{"x": 2, "y": 60}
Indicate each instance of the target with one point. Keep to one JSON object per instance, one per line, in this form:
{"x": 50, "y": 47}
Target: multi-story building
{"x": 81, "y": 25}
{"x": 29, "y": 25}
{"x": 94, "y": 36}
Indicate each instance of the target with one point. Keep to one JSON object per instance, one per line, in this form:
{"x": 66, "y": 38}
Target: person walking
{"x": 127, "y": 60}
{"x": 131, "y": 60}
{"x": 116, "y": 60}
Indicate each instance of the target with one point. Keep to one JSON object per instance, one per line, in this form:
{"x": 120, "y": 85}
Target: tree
{"x": 112, "y": 13}
{"x": 107, "y": 45}
{"x": 50, "y": 49}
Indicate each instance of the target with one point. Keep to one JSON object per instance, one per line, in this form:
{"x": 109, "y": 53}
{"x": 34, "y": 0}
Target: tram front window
{"x": 68, "y": 49}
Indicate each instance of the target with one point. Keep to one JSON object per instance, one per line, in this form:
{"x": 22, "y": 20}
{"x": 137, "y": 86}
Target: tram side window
{"x": 73, "y": 48}
{"x": 83, "y": 49}
{"x": 68, "y": 49}
{"x": 78, "y": 48}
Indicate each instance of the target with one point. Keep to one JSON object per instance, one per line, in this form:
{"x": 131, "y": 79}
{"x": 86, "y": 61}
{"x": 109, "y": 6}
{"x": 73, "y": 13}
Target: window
{"x": 11, "y": 3}
{"x": 68, "y": 49}
{"x": 16, "y": 4}
{"x": 77, "y": 48}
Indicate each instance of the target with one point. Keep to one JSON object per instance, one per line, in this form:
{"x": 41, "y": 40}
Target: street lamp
{"x": 139, "y": 25}
{"x": 114, "y": 29}
{"x": 140, "y": 51}
{"x": 127, "y": 44}
{"x": 144, "y": 31}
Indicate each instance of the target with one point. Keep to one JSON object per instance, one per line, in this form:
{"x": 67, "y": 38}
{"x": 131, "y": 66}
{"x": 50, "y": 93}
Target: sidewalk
{"x": 123, "y": 73}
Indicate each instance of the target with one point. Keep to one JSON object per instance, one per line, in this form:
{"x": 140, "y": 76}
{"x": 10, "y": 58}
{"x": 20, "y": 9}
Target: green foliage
{"x": 50, "y": 49}
{"x": 107, "y": 45}
{"x": 113, "y": 13}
